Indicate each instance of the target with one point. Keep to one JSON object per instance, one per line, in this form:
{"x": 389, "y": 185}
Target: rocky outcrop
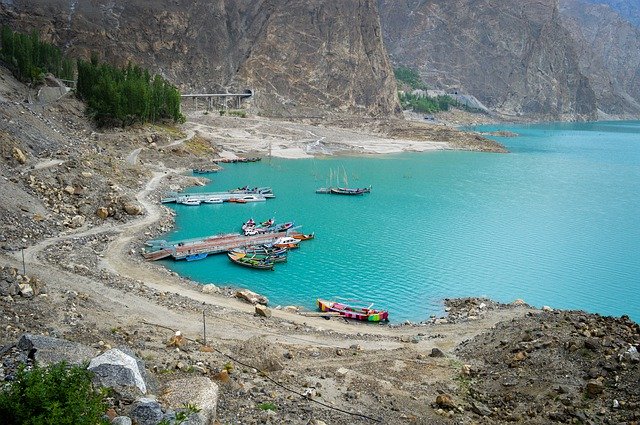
{"x": 628, "y": 9}
{"x": 299, "y": 57}
{"x": 608, "y": 48}
{"x": 516, "y": 58}
{"x": 120, "y": 371}
{"x": 47, "y": 350}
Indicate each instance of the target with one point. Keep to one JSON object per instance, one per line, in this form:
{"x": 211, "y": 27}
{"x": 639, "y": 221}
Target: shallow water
{"x": 555, "y": 222}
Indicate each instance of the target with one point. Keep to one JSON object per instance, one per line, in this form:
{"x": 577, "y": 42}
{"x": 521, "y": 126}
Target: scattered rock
{"x": 47, "y": 350}
{"x": 200, "y": 391}
{"x": 102, "y": 212}
{"x": 146, "y": 411}
{"x": 480, "y": 408}
{"x": 263, "y": 310}
{"x": 252, "y": 297}
{"x": 436, "y": 352}
{"x": 445, "y": 401}
{"x": 120, "y": 371}
{"x": 19, "y": 155}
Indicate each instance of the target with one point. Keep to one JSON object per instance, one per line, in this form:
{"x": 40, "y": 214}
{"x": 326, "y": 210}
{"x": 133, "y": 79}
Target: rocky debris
{"x": 45, "y": 350}
{"x": 252, "y": 297}
{"x": 199, "y": 391}
{"x": 133, "y": 208}
{"x": 554, "y": 366}
{"x": 19, "y": 155}
{"x": 120, "y": 371}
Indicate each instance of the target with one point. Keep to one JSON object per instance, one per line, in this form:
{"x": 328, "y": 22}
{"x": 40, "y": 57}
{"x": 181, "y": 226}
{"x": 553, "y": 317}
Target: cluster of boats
{"x": 265, "y": 256}
{"x": 241, "y": 195}
{"x": 251, "y": 228}
{"x": 236, "y": 160}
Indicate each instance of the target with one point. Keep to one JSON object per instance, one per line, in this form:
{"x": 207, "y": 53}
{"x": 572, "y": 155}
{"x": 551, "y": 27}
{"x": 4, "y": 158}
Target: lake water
{"x": 555, "y": 222}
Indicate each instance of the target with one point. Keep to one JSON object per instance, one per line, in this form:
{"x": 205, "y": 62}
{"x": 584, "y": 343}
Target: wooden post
{"x": 204, "y": 328}
{"x": 24, "y": 267}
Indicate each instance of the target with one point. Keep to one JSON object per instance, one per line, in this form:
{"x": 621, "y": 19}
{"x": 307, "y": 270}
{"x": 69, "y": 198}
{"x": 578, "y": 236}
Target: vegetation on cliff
{"x": 124, "y": 96}
{"x": 30, "y": 59}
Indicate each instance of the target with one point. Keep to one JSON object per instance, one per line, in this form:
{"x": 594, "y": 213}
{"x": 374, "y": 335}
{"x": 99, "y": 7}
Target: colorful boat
{"x": 254, "y": 255}
{"x": 286, "y": 242}
{"x": 357, "y": 312}
{"x": 302, "y": 236}
{"x": 243, "y": 260}
{"x": 196, "y": 257}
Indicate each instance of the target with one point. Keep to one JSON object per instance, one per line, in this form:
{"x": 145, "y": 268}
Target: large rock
{"x": 47, "y": 350}
{"x": 146, "y": 411}
{"x": 252, "y": 297}
{"x": 120, "y": 371}
{"x": 200, "y": 391}
{"x": 19, "y": 155}
{"x": 102, "y": 212}
{"x": 132, "y": 208}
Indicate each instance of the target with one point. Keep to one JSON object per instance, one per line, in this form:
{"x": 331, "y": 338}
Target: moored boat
{"x": 196, "y": 257}
{"x": 357, "y": 312}
{"x": 286, "y": 242}
{"x": 302, "y": 236}
{"x": 243, "y": 260}
{"x": 349, "y": 191}
{"x": 192, "y": 202}
{"x": 254, "y": 255}
{"x": 213, "y": 200}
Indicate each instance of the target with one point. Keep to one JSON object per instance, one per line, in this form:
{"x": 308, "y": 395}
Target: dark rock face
{"x": 516, "y": 58}
{"x": 608, "y": 47}
{"x": 299, "y": 57}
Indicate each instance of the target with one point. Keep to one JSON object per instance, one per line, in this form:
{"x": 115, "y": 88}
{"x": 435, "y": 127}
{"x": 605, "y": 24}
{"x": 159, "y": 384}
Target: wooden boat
{"x": 323, "y": 190}
{"x": 254, "y": 255}
{"x": 302, "y": 236}
{"x": 348, "y": 191}
{"x": 260, "y": 264}
{"x": 265, "y": 249}
{"x": 286, "y": 242}
{"x": 353, "y": 311}
{"x": 266, "y": 192}
{"x": 196, "y": 257}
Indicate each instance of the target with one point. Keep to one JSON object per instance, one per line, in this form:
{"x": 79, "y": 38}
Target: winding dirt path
{"x": 119, "y": 307}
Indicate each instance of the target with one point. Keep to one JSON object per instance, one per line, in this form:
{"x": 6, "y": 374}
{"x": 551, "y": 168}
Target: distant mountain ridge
{"x": 549, "y": 59}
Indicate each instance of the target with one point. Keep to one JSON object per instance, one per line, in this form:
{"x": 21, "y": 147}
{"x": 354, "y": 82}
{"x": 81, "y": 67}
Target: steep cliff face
{"x": 299, "y": 57}
{"x": 608, "y": 47}
{"x": 515, "y": 57}
{"x": 627, "y": 9}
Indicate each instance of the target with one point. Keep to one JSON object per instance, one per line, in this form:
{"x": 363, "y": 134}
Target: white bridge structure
{"x": 222, "y": 99}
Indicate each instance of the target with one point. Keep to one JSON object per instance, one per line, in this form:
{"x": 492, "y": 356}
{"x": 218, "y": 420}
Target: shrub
{"x": 57, "y": 394}
{"x": 409, "y": 77}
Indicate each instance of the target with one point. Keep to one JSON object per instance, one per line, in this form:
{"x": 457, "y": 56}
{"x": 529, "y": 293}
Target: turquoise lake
{"x": 555, "y": 222}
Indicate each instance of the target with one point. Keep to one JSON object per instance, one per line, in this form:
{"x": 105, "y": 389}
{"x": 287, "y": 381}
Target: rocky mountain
{"x": 628, "y": 9}
{"x": 608, "y": 48}
{"x": 543, "y": 58}
{"x": 515, "y": 58}
{"x": 299, "y": 57}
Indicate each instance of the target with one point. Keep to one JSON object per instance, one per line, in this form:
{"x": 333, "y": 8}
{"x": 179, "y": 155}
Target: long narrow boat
{"x": 348, "y": 191}
{"x": 241, "y": 259}
{"x": 302, "y": 236}
{"x": 280, "y": 258}
{"x": 366, "y": 314}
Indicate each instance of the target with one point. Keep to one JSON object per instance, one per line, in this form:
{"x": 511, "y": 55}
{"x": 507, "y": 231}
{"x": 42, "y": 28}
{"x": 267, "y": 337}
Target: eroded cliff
{"x": 300, "y": 58}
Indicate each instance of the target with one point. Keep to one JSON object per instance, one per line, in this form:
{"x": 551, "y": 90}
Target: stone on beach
{"x": 120, "y": 371}
{"x": 252, "y": 297}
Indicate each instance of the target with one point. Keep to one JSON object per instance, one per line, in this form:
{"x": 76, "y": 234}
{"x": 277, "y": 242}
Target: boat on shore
{"x": 353, "y": 311}
{"x": 244, "y": 260}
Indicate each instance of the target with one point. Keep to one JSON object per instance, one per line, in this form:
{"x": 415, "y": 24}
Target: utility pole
{"x": 204, "y": 328}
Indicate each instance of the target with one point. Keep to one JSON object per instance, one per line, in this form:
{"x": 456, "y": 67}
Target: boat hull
{"x": 352, "y": 312}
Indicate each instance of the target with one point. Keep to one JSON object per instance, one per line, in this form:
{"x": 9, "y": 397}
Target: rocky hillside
{"x": 300, "y": 58}
{"x": 607, "y": 47}
{"x": 516, "y": 59}
{"x": 532, "y": 58}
